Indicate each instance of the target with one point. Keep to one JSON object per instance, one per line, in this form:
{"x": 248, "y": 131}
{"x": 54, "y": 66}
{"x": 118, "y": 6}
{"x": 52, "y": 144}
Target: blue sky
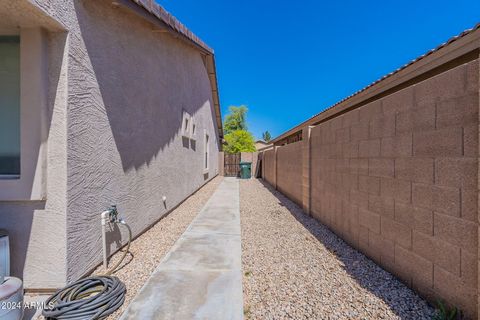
{"x": 288, "y": 60}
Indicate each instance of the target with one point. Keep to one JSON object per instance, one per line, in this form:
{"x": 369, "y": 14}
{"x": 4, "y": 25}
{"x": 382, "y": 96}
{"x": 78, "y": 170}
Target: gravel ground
{"x": 149, "y": 249}
{"x": 293, "y": 273}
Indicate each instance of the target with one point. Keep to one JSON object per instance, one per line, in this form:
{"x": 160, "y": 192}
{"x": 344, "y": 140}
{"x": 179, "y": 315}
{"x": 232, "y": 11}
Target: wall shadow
{"x": 17, "y": 219}
{"x": 362, "y": 269}
{"x": 146, "y": 80}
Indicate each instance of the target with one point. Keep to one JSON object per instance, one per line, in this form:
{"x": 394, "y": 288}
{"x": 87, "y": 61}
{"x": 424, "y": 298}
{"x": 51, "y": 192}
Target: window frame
{"x": 31, "y": 185}
{"x": 206, "y": 152}
{"x": 186, "y": 125}
{"x": 16, "y": 39}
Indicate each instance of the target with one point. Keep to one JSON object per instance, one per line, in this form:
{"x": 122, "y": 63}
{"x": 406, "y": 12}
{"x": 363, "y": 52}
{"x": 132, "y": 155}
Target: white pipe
{"x": 105, "y": 216}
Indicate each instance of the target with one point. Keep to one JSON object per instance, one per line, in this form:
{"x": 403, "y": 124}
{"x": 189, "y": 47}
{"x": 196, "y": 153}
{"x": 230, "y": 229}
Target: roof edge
{"x": 167, "y": 23}
{"x": 455, "y": 47}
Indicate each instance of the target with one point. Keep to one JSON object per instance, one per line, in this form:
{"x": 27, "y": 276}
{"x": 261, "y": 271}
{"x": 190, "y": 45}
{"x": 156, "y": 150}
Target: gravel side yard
{"x": 149, "y": 249}
{"x": 293, "y": 273}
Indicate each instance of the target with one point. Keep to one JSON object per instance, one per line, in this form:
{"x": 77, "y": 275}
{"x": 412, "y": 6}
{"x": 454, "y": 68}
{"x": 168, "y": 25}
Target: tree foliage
{"x": 236, "y": 119}
{"x": 239, "y": 141}
{"x": 267, "y": 137}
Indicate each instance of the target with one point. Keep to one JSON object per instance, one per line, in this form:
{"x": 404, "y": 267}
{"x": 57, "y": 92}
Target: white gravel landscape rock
{"x": 150, "y": 247}
{"x": 295, "y": 268}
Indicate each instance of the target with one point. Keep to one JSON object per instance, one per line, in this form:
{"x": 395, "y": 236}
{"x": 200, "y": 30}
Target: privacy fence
{"x": 397, "y": 178}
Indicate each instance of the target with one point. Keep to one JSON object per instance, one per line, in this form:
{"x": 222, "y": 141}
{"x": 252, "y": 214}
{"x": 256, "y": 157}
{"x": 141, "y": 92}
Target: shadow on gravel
{"x": 366, "y": 272}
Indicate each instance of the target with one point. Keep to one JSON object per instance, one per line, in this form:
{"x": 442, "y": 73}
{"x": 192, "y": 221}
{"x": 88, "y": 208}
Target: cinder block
{"x": 441, "y": 253}
{"x": 369, "y": 184}
{"x": 398, "y": 146}
{"x": 442, "y": 199}
{"x": 470, "y": 141}
{"x": 472, "y": 76}
{"x": 369, "y": 148}
{"x": 456, "y": 291}
{"x": 443, "y": 86}
{"x": 381, "y": 167}
{"x": 359, "y": 198}
{"x": 402, "y": 274}
{"x": 350, "y": 149}
{"x": 414, "y": 169}
{"x": 399, "y": 101}
{"x": 335, "y": 123}
{"x": 342, "y": 135}
{"x": 382, "y": 206}
{"x": 350, "y": 118}
{"x": 328, "y": 135}
{"x": 370, "y": 111}
{"x": 456, "y": 231}
{"x": 460, "y": 111}
{"x": 404, "y": 214}
{"x": 363, "y": 238}
{"x": 457, "y": 172}
{"x": 350, "y": 181}
{"x": 422, "y": 220}
{"x": 396, "y": 188}
{"x": 469, "y": 268}
{"x": 369, "y": 220}
{"x": 338, "y": 147}
{"x": 384, "y": 247}
{"x": 359, "y": 166}
{"x": 359, "y": 131}
{"x": 382, "y": 126}
{"x": 469, "y": 205}
{"x": 342, "y": 165}
{"x": 420, "y": 118}
{"x": 438, "y": 143}
{"x": 396, "y": 232}
{"x": 420, "y": 269}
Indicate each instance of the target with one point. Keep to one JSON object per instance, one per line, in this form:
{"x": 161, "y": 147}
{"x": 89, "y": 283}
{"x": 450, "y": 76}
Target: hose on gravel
{"x": 92, "y": 298}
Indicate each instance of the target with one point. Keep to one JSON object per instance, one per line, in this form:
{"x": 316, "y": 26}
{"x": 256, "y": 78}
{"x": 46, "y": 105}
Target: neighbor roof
{"x": 165, "y": 22}
{"x": 454, "y": 47}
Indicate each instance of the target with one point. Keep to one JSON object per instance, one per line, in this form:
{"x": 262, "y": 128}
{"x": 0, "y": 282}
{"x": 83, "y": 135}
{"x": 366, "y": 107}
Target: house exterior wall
{"x": 397, "y": 178}
{"x": 128, "y": 148}
{"x": 32, "y": 210}
{"x": 115, "y": 138}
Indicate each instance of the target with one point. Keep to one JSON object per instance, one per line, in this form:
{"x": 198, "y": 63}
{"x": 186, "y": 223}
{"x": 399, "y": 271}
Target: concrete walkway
{"x": 200, "y": 277}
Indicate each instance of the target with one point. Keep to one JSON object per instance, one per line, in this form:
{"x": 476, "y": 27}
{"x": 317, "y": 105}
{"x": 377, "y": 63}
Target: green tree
{"x": 267, "y": 137}
{"x": 239, "y": 141}
{"x": 235, "y": 120}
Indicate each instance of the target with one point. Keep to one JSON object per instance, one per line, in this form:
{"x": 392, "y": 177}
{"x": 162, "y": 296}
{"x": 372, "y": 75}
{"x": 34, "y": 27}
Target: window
{"x": 193, "y": 128}
{"x": 9, "y": 106}
{"x": 207, "y": 145}
{"x": 186, "y": 124}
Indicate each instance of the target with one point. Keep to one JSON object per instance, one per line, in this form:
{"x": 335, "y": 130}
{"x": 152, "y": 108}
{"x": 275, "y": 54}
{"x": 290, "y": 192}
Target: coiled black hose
{"x": 91, "y": 298}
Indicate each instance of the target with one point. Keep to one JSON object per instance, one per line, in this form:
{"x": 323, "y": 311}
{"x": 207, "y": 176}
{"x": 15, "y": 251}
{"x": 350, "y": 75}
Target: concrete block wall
{"x": 397, "y": 178}
{"x": 289, "y": 171}
{"x": 268, "y": 166}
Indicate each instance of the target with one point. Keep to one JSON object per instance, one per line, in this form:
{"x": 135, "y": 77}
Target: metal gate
{"x": 232, "y": 164}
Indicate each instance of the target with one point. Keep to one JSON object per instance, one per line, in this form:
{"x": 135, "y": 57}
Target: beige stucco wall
{"x": 398, "y": 179}
{"x": 32, "y": 210}
{"x": 114, "y": 138}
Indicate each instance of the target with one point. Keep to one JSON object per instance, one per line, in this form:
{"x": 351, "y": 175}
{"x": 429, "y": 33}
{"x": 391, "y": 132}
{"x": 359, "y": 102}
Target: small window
{"x": 9, "y": 106}
{"x": 193, "y": 128}
{"x": 186, "y": 124}
{"x": 207, "y": 147}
